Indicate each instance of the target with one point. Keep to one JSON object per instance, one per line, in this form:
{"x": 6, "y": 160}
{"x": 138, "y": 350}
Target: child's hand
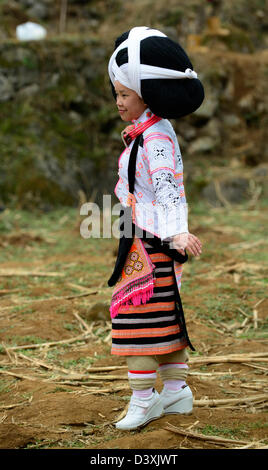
{"x": 188, "y": 241}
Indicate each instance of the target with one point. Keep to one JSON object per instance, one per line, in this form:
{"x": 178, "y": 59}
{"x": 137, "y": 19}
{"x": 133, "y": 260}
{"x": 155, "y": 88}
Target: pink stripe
{"x": 176, "y": 365}
{"x": 157, "y": 135}
{"x": 156, "y": 138}
{"x": 115, "y": 189}
{"x": 162, "y": 168}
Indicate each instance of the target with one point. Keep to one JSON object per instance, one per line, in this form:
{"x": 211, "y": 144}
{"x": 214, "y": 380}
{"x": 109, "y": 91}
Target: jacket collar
{"x": 146, "y": 120}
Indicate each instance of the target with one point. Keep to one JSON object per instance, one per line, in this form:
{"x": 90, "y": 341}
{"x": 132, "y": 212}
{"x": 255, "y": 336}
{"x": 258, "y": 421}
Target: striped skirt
{"x": 150, "y": 328}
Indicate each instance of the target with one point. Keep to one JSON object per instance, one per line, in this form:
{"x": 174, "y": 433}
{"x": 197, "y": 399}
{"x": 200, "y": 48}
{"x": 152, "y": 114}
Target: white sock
{"x": 143, "y": 393}
{"x": 174, "y": 385}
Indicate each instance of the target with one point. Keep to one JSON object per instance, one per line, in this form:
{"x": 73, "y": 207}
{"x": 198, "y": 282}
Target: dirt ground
{"x": 61, "y": 389}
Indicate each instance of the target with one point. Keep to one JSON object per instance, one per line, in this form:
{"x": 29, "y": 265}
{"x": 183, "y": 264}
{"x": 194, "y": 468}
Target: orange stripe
{"x": 145, "y": 332}
{"x": 158, "y": 257}
{"x": 164, "y": 281}
{"x": 167, "y": 306}
{"x": 148, "y": 352}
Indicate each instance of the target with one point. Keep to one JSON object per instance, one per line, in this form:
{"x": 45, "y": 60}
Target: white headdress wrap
{"x": 131, "y": 74}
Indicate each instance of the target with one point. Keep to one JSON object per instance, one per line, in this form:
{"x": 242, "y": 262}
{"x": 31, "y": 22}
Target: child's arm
{"x": 170, "y": 201}
{"x": 169, "y": 194}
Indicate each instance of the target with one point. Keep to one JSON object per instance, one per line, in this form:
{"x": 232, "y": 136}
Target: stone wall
{"x": 60, "y": 131}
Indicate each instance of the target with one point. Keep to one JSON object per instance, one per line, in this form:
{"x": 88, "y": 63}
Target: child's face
{"x": 129, "y": 104}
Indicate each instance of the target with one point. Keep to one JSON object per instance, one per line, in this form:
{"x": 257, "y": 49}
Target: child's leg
{"x": 145, "y": 403}
{"x": 176, "y": 395}
{"x": 142, "y": 374}
{"x": 173, "y": 368}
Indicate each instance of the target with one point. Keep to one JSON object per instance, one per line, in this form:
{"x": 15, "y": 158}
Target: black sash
{"x": 125, "y": 243}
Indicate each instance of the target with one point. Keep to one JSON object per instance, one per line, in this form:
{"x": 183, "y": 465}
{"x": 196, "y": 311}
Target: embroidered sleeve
{"x": 170, "y": 201}
{"x": 160, "y": 151}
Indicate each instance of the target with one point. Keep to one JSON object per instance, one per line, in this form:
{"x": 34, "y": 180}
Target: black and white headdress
{"x": 158, "y": 70}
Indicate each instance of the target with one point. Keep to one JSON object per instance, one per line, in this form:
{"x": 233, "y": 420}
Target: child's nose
{"x": 118, "y": 100}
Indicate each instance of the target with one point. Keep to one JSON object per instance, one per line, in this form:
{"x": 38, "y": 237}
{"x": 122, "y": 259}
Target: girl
{"x": 152, "y": 80}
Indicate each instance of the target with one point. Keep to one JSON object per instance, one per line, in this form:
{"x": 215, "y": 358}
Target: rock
{"x": 98, "y": 311}
{"x": 261, "y": 172}
{"x": 229, "y": 91}
{"x": 23, "y": 67}
{"x": 75, "y": 117}
{"x": 52, "y": 80}
{"x": 21, "y": 55}
{"x": 23, "y": 77}
{"x": 202, "y": 145}
{"x": 234, "y": 190}
{"x": 246, "y": 103}
{"x": 231, "y": 121}
{"x": 38, "y": 10}
{"x": 171, "y": 32}
{"x": 28, "y": 91}
{"x": 208, "y": 108}
{"x": 185, "y": 131}
{"x": 212, "y": 129}
{"x": 89, "y": 72}
{"x": 27, "y": 3}
{"x": 6, "y": 89}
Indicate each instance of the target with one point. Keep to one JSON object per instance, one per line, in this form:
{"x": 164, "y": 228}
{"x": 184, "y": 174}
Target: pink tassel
{"x": 136, "y": 299}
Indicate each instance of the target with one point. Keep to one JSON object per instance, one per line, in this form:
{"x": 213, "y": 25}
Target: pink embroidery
{"x": 140, "y": 194}
{"x": 150, "y": 181}
{"x": 144, "y": 228}
{"x": 138, "y": 173}
{"x": 162, "y": 168}
{"x": 126, "y": 151}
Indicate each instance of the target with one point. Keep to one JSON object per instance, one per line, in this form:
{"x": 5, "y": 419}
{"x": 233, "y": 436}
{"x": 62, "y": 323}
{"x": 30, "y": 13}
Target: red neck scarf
{"x": 131, "y": 132}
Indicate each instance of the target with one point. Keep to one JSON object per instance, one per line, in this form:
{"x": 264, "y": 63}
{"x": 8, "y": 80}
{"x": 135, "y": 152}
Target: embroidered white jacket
{"x": 161, "y": 206}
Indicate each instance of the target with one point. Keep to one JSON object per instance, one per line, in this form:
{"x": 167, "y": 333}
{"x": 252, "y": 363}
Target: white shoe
{"x": 141, "y": 411}
{"x": 178, "y": 402}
